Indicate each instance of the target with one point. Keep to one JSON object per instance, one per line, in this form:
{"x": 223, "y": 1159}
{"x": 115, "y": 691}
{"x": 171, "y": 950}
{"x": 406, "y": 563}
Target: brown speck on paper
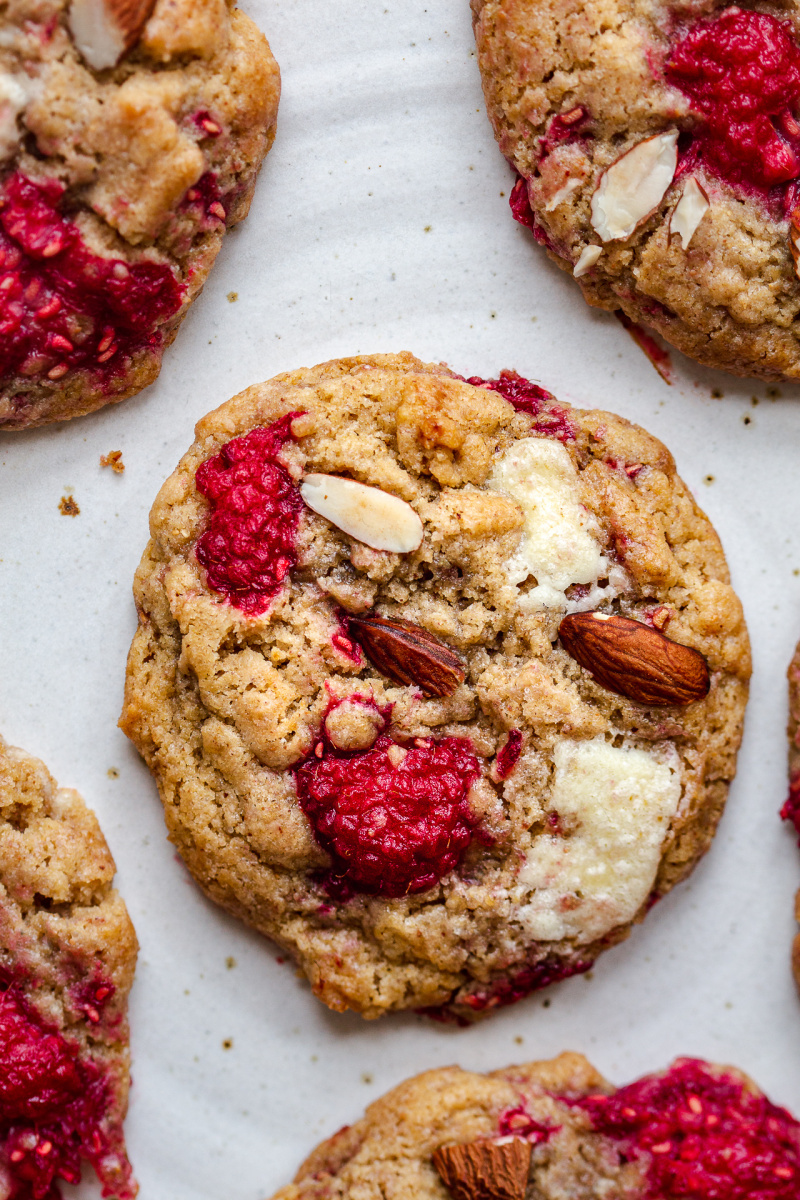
{"x": 68, "y": 506}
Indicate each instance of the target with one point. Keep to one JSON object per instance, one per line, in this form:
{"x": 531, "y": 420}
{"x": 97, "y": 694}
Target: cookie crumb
{"x": 230, "y": 962}
{"x": 709, "y": 479}
{"x": 68, "y": 506}
{"x": 114, "y": 460}
{"x": 366, "y": 1077}
{"x": 774, "y": 393}
{"x": 227, "y": 1044}
{"x": 747, "y": 420}
{"x": 716, "y": 394}
{"x": 233, "y": 297}
{"x": 112, "y": 773}
{"x": 546, "y": 1003}
{"x": 519, "y": 1040}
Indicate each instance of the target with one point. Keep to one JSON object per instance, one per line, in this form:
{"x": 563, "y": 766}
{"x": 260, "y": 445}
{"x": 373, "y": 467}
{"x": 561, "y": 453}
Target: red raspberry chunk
{"x": 391, "y": 827}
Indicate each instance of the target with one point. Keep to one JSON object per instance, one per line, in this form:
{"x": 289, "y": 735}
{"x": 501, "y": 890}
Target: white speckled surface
{"x": 380, "y": 224}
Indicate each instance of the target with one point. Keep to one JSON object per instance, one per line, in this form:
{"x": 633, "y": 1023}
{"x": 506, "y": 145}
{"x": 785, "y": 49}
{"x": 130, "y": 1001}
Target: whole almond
{"x": 633, "y": 660}
{"x": 104, "y": 30}
{"x": 408, "y": 654}
{"x": 485, "y": 1170}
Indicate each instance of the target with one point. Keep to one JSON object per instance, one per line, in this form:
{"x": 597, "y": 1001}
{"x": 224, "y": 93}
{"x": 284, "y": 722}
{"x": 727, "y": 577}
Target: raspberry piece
{"x": 741, "y": 70}
{"x": 391, "y": 829}
{"x": 248, "y": 546}
{"x": 791, "y": 809}
{"x": 530, "y": 398}
{"x": 53, "y": 1110}
{"x": 62, "y": 306}
{"x": 703, "y": 1135}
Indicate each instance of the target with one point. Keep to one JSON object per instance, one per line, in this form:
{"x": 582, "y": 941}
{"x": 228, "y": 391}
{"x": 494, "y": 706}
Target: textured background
{"x": 381, "y": 223}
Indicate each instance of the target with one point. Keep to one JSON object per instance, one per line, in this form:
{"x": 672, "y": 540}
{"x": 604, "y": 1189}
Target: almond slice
{"x": 631, "y": 189}
{"x": 588, "y": 257}
{"x": 631, "y": 659}
{"x": 479, "y": 1170}
{"x": 376, "y": 518}
{"x": 689, "y": 211}
{"x": 104, "y": 30}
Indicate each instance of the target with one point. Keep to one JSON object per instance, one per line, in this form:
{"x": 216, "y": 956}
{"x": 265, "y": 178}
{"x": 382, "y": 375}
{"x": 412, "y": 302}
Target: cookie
{"x": 791, "y": 809}
{"x": 67, "y": 957}
{"x": 441, "y": 681}
{"x": 658, "y": 157}
{"x": 131, "y": 136}
{"x": 558, "y": 1131}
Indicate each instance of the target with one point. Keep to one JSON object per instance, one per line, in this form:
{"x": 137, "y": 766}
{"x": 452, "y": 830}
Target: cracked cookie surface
{"x": 570, "y": 88}
{"x": 412, "y": 848}
{"x": 67, "y": 957}
{"x": 116, "y": 187}
{"x": 696, "y": 1129}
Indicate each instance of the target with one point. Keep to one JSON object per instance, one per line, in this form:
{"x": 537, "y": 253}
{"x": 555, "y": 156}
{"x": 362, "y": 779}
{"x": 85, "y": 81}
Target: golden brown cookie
{"x": 442, "y": 682}
{"x": 67, "y": 957}
{"x": 131, "y": 136}
{"x": 658, "y": 154}
{"x": 558, "y": 1131}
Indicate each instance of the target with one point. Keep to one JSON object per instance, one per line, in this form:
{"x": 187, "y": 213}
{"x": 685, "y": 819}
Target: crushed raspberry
{"x": 205, "y": 124}
{"x": 53, "y": 1108}
{"x": 705, "y": 1136}
{"x": 520, "y": 206}
{"x": 506, "y": 990}
{"x": 518, "y": 1122}
{"x": 741, "y": 71}
{"x": 564, "y": 127}
{"x": 791, "y": 809}
{"x": 508, "y": 755}
{"x": 205, "y": 203}
{"x": 529, "y": 398}
{"x": 391, "y": 829}
{"x": 62, "y": 306}
{"x": 248, "y": 546}
{"x": 91, "y": 997}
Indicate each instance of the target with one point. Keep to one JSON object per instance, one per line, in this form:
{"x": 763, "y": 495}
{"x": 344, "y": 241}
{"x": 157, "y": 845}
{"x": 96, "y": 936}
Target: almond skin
{"x": 408, "y": 654}
{"x": 483, "y": 1170}
{"x": 633, "y": 660}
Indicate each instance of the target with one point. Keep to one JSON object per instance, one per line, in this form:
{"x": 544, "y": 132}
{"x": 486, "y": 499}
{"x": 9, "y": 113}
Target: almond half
{"x": 376, "y": 518}
{"x": 688, "y": 212}
{"x": 479, "y": 1170}
{"x": 634, "y": 660}
{"x": 408, "y": 654}
{"x": 104, "y": 30}
{"x": 632, "y": 188}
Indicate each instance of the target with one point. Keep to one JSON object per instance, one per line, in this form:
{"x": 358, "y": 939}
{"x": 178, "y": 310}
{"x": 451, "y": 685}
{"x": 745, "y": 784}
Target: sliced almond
{"x": 563, "y": 194}
{"x": 689, "y": 211}
{"x": 631, "y": 659}
{"x": 632, "y": 188}
{"x": 588, "y": 257}
{"x": 479, "y": 1170}
{"x": 104, "y": 30}
{"x": 376, "y": 518}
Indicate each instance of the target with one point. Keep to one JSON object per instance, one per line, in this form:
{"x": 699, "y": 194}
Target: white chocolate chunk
{"x": 634, "y": 186}
{"x": 559, "y": 545}
{"x": 689, "y": 211}
{"x": 588, "y": 257}
{"x": 97, "y": 33}
{"x": 15, "y": 93}
{"x": 376, "y": 518}
{"x": 617, "y": 805}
